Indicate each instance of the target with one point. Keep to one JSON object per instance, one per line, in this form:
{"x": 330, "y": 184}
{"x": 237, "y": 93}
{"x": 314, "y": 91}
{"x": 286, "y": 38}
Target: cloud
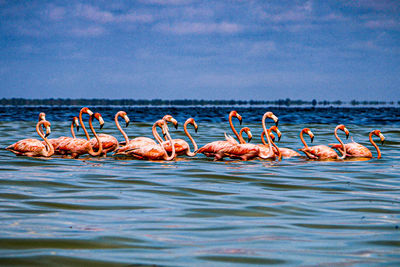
{"x": 200, "y": 28}
{"x": 89, "y": 31}
{"x": 100, "y": 16}
{"x": 167, "y": 2}
{"x": 385, "y": 23}
{"x": 55, "y": 12}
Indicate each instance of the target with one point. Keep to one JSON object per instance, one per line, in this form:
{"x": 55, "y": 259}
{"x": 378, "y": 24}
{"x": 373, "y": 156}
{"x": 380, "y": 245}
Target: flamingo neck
{"x": 72, "y": 129}
{"x": 266, "y": 133}
{"x": 155, "y": 133}
{"x": 49, "y": 147}
{"x": 165, "y": 154}
{"x": 263, "y": 138}
{"x": 189, "y": 153}
{"x": 232, "y": 127}
{"x": 91, "y": 151}
{"x": 276, "y": 147}
{"x": 83, "y": 125}
{"x": 119, "y": 114}
{"x": 340, "y": 141}
{"x": 375, "y": 145}
{"x": 302, "y": 138}
{"x": 241, "y": 139}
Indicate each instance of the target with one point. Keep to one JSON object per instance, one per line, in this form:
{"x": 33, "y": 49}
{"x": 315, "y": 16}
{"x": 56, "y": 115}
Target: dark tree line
{"x": 179, "y": 102}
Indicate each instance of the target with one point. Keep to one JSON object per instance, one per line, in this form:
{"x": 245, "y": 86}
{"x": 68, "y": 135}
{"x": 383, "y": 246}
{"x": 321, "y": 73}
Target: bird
{"x": 34, "y": 147}
{"x": 110, "y": 143}
{"x": 285, "y": 152}
{"x": 322, "y": 152}
{"x": 356, "y": 150}
{"x": 250, "y": 151}
{"x": 79, "y": 146}
{"x": 152, "y": 151}
{"x": 55, "y": 142}
{"x": 181, "y": 146}
{"x": 213, "y": 149}
{"x": 140, "y": 141}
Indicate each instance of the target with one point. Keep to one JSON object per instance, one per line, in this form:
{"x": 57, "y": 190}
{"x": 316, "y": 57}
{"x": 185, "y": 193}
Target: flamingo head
{"x": 234, "y": 113}
{"x": 87, "y": 111}
{"x": 42, "y": 116}
{"x": 248, "y": 132}
{"x": 47, "y": 125}
{"x": 169, "y": 118}
{"x": 126, "y": 118}
{"x": 378, "y": 133}
{"x": 275, "y": 129}
{"x": 308, "y": 131}
{"x": 344, "y": 129}
{"x": 76, "y": 122}
{"x": 99, "y": 118}
{"x": 272, "y": 116}
{"x": 191, "y": 121}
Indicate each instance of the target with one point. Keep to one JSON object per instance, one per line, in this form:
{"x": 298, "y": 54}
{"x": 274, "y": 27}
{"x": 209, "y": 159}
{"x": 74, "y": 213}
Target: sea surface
{"x": 198, "y": 212}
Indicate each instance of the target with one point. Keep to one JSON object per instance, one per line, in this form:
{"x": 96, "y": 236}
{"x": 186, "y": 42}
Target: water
{"x": 196, "y": 212}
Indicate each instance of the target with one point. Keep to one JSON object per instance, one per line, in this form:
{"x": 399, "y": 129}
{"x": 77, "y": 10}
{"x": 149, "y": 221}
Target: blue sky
{"x": 177, "y": 49}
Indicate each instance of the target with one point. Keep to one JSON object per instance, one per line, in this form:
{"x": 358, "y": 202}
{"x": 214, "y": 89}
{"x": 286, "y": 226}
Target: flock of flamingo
{"x": 169, "y": 149}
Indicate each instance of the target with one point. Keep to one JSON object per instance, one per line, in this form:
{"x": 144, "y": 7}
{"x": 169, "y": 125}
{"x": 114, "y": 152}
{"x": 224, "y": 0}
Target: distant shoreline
{"x": 189, "y": 102}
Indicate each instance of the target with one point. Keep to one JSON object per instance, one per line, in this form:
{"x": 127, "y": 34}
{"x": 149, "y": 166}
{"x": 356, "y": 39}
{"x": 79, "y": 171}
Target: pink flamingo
{"x": 322, "y": 152}
{"x": 109, "y": 142}
{"x": 79, "y": 146}
{"x": 152, "y": 151}
{"x": 55, "y": 142}
{"x": 250, "y": 151}
{"x": 181, "y": 146}
{"x": 140, "y": 141}
{"x": 285, "y": 152}
{"x": 213, "y": 149}
{"x": 34, "y": 147}
{"x": 356, "y": 150}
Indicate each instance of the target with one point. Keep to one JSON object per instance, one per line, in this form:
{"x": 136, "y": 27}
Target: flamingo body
{"x": 29, "y": 147}
{"x": 320, "y": 152}
{"x": 354, "y": 150}
{"x": 109, "y": 142}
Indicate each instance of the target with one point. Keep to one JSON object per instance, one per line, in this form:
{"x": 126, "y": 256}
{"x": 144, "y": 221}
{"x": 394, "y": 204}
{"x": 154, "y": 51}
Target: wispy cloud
{"x": 95, "y": 14}
{"x": 89, "y": 31}
{"x": 200, "y": 28}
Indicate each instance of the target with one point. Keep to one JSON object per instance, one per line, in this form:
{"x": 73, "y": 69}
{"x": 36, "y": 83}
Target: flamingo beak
{"x": 239, "y": 118}
{"x": 311, "y": 136}
{"x": 279, "y": 134}
{"x": 126, "y": 120}
{"x": 48, "y": 131}
{"x": 347, "y": 133}
{"x": 175, "y": 122}
{"x": 195, "y": 127}
{"x": 382, "y": 138}
{"x": 88, "y": 111}
{"x": 249, "y": 136}
{"x": 101, "y": 121}
{"x": 77, "y": 128}
{"x": 276, "y": 120}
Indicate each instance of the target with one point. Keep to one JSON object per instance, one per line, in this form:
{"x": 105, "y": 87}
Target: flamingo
{"x": 181, "y": 146}
{"x": 55, "y": 142}
{"x": 80, "y": 146}
{"x": 213, "y": 149}
{"x": 356, "y": 150}
{"x": 109, "y": 142}
{"x": 250, "y": 151}
{"x": 152, "y": 151}
{"x": 34, "y": 147}
{"x": 285, "y": 152}
{"x": 322, "y": 152}
{"x": 140, "y": 141}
